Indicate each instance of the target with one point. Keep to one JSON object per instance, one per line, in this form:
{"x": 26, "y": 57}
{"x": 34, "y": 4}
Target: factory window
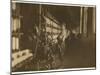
{"x": 15, "y": 43}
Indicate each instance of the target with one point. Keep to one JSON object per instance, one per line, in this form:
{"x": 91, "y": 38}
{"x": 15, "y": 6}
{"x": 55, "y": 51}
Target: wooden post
{"x": 39, "y": 20}
{"x": 94, "y": 20}
{"x": 81, "y": 15}
{"x": 85, "y": 21}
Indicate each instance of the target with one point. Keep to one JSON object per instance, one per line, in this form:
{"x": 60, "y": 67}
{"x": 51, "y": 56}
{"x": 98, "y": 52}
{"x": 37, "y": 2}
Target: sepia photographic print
{"x": 47, "y": 37}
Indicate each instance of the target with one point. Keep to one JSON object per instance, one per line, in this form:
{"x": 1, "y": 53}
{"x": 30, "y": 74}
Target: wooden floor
{"x": 79, "y": 53}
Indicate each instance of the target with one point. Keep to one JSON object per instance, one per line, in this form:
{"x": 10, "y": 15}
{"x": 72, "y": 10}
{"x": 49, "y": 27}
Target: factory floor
{"x": 79, "y": 53}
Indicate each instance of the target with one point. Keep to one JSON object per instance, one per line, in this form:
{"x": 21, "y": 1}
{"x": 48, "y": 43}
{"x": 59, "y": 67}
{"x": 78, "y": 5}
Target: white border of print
{"x": 57, "y": 70}
{"x": 5, "y": 37}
